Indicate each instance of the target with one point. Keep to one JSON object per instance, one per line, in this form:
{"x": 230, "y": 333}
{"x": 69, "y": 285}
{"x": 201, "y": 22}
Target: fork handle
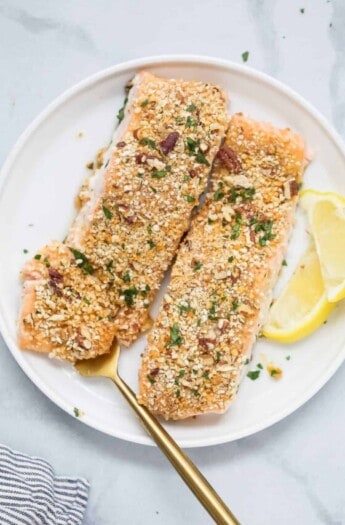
{"x": 198, "y": 484}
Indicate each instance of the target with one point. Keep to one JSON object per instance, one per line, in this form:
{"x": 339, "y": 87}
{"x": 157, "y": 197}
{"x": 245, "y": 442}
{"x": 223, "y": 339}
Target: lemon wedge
{"x": 303, "y": 305}
{"x": 326, "y": 214}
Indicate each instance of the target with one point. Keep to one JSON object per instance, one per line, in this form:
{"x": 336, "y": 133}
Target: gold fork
{"x": 106, "y": 366}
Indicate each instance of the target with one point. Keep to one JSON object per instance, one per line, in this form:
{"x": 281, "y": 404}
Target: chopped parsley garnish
{"x": 179, "y": 120}
{"x": 197, "y": 266}
{"x": 189, "y": 198}
{"x": 126, "y": 278}
{"x": 130, "y": 294}
{"x": 246, "y": 361}
{"x": 149, "y": 229}
{"x": 196, "y": 393}
{"x": 185, "y": 308}
{"x": 85, "y": 299}
{"x": 201, "y": 159}
{"x": 231, "y": 258}
{"x": 107, "y": 212}
{"x": 302, "y": 10}
{"x": 192, "y": 144}
{"x": 235, "y": 304}
{"x": 198, "y": 322}
{"x": 46, "y": 262}
{"x": 237, "y": 226}
{"x": 246, "y": 194}
{"x": 160, "y": 174}
{"x": 186, "y": 178}
{"x": 253, "y": 374}
{"x": 191, "y": 107}
{"x": 259, "y": 365}
{"x": 38, "y": 256}
{"x": 175, "y": 337}
{"x": 151, "y": 379}
{"x": 218, "y": 355}
{"x": 245, "y": 56}
{"x": 288, "y": 357}
{"x": 76, "y": 412}
{"x": 219, "y": 194}
{"x": 274, "y": 372}
{"x": 190, "y": 122}
{"x": 178, "y": 392}
{"x": 284, "y": 263}
{"x": 151, "y": 244}
{"x": 144, "y": 103}
{"x": 82, "y": 261}
{"x": 153, "y": 189}
{"x": 212, "y": 312}
{"x": 25, "y": 250}
{"x": 121, "y": 113}
{"x": 148, "y": 142}
{"x": 182, "y": 373}
{"x": 205, "y": 375}
{"x": 146, "y": 290}
{"x": 266, "y": 227}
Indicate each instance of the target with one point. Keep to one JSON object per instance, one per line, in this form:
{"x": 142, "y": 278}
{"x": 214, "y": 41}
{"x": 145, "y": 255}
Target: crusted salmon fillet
{"x": 65, "y": 310}
{"x": 133, "y": 211}
{"x": 221, "y": 284}
{"x": 137, "y": 206}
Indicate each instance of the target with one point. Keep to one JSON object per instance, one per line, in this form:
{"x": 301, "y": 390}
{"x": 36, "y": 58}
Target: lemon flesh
{"x": 326, "y": 214}
{"x": 303, "y": 305}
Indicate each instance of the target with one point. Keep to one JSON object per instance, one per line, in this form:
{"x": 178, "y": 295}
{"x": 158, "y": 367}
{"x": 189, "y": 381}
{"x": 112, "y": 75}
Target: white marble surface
{"x": 290, "y": 473}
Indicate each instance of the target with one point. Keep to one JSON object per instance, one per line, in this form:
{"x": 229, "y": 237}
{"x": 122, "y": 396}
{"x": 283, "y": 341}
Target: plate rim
{"x": 49, "y": 110}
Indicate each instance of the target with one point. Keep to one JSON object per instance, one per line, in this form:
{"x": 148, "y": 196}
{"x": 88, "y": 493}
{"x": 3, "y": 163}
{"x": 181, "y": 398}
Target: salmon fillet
{"x": 221, "y": 284}
{"x": 65, "y": 310}
{"x": 140, "y": 201}
{"x": 133, "y": 211}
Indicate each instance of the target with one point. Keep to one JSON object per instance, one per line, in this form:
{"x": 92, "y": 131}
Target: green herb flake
{"x": 192, "y": 144}
{"x": 218, "y": 195}
{"x": 191, "y": 107}
{"x": 212, "y": 312}
{"x": 198, "y": 322}
{"x": 82, "y": 261}
{"x": 85, "y": 299}
{"x": 121, "y": 113}
{"x": 178, "y": 393}
{"x": 46, "y": 262}
{"x": 205, "y": 375}
{"x": 259, "y": 365}
{"x": 182, "y": 373}
{"x": 302, "y": 10}
{"x": 179, "y": 120}
{"x": 38, "y": 256}
{"x": 76, "y": 412}
{"x": 196, "y": 393}
{"x": 151, "y": 379}
{"x": 186, "y": 178}
{"x": 253, "y": 374}
{"x": 189, "y": 198}
{"x": 284, "y": 263}
{"x": 158, "y": 174}
{"x": 144, "y": 103}
{"x": 201, "y": 159}
{"x": 231, "y": 258}
{"x": 129, "y": 295}
{"x": 109, "y": 266}
{"x": 175, "y": 337}
{"x": 246, "y": 361}
{"x": 197, "y": 266}
{"x": 25, "y": 250}
{"x": 151, "y": 244}
{"x": 185, "y": 308}
{"x": 235, "y": 304}
{"x": 218, "y": 356}
{"x": 126, "y": 278}
{"x": 153, "y": 189}
{"x": 191, "y": 123}
{"x": 107, "y": 212}
{"x": 245, "y": 56}
{"x": 288, "y": 357}
{"x": 148, "y": 142}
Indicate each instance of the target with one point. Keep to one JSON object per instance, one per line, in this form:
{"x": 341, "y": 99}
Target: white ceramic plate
{"x": 39, "y": 182}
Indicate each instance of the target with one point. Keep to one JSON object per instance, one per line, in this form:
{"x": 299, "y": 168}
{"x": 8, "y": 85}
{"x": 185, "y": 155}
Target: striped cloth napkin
{"x": 31, "y": 494}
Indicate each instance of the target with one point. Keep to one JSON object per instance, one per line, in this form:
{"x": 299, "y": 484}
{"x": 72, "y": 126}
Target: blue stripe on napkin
{"x": 30, "y": 493}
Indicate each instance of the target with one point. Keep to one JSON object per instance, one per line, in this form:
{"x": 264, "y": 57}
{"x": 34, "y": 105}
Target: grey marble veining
{"x": 292, "y": 472}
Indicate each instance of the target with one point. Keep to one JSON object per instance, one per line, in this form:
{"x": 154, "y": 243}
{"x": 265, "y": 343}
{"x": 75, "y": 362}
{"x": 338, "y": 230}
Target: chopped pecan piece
{"x": 229, "y": 158}
{"x": 169, "y": 143}
{"x": 55, "y": 280}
